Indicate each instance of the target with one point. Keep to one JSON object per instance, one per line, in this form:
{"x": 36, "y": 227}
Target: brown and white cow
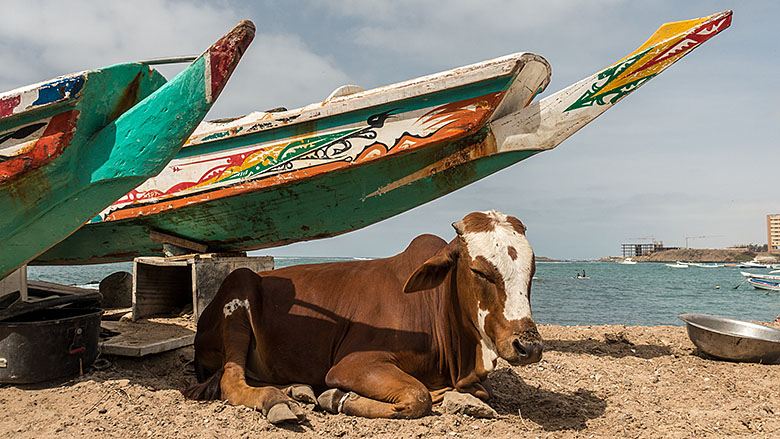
{"x": 388, "y": 337}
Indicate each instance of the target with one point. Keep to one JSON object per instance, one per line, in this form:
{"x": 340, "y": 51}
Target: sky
{"x": 693, "y": 153}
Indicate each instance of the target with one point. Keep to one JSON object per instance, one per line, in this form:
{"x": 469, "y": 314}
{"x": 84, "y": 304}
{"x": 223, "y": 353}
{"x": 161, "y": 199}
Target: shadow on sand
{"x": 612, "y": 348}
{"x": 553, "y": 411}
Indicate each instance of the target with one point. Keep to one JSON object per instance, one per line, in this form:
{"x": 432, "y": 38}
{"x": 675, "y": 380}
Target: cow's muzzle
{"x": 523, "y": 345}
{"x": 527, "y": 352}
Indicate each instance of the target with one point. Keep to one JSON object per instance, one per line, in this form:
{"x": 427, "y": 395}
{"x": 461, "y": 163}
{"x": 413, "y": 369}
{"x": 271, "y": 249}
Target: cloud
{"x": 277, "y": 70}
{"x": 467, "y": 30}
{"x": 51, "y": 39}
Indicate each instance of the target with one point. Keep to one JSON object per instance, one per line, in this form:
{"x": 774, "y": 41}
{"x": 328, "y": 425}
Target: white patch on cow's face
{"x": 516, "y": 273}
{"x": 233, "y": 305}
{"x": 489, "y": 353}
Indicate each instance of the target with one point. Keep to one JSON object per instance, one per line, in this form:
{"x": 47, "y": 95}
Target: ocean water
{"x": 615, "y": 294}
{"x": 644, "y": 294}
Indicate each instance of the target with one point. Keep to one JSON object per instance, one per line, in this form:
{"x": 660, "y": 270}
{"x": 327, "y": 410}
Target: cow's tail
{"x": 207, "y": 390}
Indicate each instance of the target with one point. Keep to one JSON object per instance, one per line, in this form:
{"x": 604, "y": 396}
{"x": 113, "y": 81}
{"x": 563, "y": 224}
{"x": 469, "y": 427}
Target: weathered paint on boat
{"x": 269, "y": 179}
{"x": 72, "y": 146}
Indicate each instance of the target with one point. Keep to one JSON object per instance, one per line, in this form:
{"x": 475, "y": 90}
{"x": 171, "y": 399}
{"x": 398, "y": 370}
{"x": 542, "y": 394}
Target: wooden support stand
{"x": 14, "y": 284}
{"x": 170, "y": 285}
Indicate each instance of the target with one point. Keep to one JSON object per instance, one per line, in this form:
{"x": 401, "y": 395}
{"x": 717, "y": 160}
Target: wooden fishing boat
{"x": 769, "y": 277}
{"x": 273, "y": 178}
{"x": 71, "y": 146}
{"x": 762, "y": 284}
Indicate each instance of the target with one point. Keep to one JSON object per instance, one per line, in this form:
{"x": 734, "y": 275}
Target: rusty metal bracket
{"x": 170, "y": 60}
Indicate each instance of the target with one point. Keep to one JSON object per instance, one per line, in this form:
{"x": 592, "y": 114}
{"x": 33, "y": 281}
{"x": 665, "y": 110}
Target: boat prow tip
{"x": 223, "y": 56}
{"x": 560, "y": 115}
{"x": 249, "y": 25}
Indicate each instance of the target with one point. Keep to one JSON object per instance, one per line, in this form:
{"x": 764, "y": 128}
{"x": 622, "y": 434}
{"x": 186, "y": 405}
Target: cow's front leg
{"x": 236, "y": 337}
{"x": 369, "y": 385}
{"x": 275, "y": 405}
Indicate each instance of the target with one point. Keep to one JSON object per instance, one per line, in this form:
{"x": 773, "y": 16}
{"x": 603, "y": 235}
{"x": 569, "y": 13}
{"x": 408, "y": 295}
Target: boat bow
{"x": 81, "y": 173}
{"x": 547, "y": 123}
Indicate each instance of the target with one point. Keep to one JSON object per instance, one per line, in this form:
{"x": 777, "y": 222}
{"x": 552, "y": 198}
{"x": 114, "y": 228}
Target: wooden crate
{"x": 164, "y": 286}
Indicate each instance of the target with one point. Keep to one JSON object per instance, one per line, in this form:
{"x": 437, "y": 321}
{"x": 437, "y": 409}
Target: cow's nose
{"x": 528, "y": 352}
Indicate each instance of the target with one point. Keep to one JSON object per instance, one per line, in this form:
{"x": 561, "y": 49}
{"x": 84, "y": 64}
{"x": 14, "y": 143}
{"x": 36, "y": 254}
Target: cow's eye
{"x": 482, "y": 275}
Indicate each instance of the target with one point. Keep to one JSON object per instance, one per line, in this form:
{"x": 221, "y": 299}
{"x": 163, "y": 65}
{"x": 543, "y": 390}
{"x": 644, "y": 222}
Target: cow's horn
{"x": 459, "y": 227}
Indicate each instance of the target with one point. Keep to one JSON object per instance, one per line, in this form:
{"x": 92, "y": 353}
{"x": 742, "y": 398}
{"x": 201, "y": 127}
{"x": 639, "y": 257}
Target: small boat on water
{"x": 704, "y": 265}
{"x": 71, "y": 146}
{"x": 360, "y": 156}
{"x": 762, "y": 284}
{"x": 755, "y": 264}
{"x": 627, "y": 261}
{"x": 677, "y": 264}
{"x": 769, "y": 277}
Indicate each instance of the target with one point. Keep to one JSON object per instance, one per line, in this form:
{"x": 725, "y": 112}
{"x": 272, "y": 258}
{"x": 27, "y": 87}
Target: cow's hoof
{"x": 302, "y": 393}
{"x": 282, "y": 412}
{"x": 330, "y": 399}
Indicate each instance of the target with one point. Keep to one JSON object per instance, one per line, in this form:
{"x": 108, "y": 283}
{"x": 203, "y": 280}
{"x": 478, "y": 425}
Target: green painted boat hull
{"x": 51, "y": 202}
{"x": 46, "y": 204}
{"x": 335, "y": 203}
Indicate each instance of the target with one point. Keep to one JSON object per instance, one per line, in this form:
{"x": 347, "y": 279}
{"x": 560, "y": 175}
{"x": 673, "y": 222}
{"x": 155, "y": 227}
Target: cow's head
{"x": 493, "y": 266}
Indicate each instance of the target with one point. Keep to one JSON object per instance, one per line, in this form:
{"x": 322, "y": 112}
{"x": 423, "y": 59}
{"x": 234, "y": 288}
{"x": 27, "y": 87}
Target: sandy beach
{"x": 594, "y": 381}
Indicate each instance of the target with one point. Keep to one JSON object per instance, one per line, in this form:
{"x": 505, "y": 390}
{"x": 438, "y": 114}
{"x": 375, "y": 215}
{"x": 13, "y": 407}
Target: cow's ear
{"x": 433, "y": 271}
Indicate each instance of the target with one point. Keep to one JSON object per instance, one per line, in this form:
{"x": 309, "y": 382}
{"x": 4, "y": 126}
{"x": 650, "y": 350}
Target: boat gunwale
{"x": 250, "y": 184}
{"x": 505, "y": 66}
{"x": 70, "y": 97}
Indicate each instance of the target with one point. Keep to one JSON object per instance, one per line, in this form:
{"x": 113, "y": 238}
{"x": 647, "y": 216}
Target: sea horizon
{"x": 647, "y": 294}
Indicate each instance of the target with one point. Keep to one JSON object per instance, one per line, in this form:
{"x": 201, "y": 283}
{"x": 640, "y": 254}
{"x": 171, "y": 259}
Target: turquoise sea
{"x": 615, "y": 294}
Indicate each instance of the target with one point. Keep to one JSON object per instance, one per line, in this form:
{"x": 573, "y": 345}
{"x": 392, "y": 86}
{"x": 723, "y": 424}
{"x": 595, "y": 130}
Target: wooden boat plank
{"x": 145, "y": 338}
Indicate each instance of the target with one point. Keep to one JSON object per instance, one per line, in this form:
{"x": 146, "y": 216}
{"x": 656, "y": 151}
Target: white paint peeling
{"x": 12, "y": 146}
{"x": 207, "y": 78}
{"x": 233, "y": 305}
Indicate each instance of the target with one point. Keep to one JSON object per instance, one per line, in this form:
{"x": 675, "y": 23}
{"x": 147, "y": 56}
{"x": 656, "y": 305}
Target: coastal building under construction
{"x": 773, "y": 232}
{"x": 643, "y": 249}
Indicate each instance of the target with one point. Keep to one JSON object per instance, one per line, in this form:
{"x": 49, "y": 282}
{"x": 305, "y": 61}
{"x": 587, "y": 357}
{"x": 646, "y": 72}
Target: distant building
{"x": 631, "y": 250}
{"x": 773, "y": 233}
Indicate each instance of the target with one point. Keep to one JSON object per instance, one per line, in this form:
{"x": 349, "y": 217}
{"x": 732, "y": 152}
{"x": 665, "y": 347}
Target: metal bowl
{"x": 732, "y": 339}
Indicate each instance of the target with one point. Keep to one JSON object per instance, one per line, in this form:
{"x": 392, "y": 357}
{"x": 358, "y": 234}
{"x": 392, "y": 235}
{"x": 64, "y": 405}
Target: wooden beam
{"x": 51, "y": 287}
{"x": 165, "y": 238}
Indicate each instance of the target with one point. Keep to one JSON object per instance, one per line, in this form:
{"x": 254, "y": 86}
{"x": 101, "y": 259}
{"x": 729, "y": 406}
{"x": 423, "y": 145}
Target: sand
{"x": 594, "y": 381}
